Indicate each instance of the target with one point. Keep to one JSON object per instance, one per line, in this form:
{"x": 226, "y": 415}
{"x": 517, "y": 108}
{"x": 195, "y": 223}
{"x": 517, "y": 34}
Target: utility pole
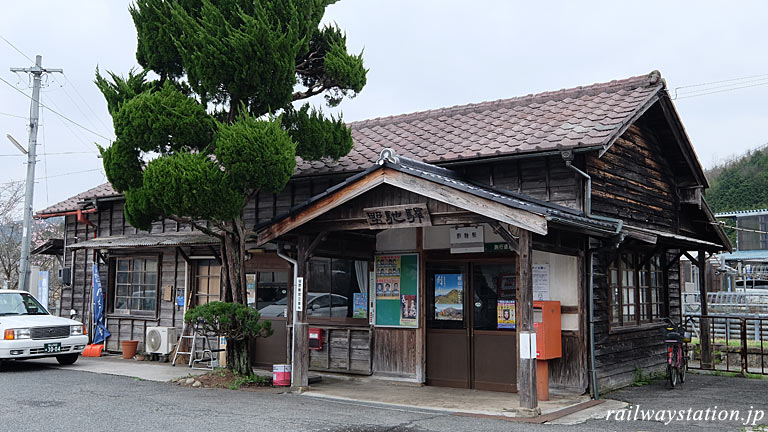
{"x": 37, "y": 72}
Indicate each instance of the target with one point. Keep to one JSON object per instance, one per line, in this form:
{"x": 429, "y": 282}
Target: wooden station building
{"x": 432, "y": 252}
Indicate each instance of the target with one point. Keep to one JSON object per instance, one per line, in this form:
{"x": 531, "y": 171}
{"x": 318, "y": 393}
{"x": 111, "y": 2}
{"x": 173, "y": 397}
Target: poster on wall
{"x": 505, "y": 314}
{"x": 250, "y": 287}
{"x": 449, "y": 297}
{"x": 397, "y": 286}
{"x": 408, "y": 309}
{"x": 359, "y": 305}
{"x": 540, "y": 281}
{"x": 507, "y": 285}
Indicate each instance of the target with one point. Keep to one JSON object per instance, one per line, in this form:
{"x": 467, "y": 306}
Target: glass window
{"x": 136, "y": 286}
{"x": 208, "y": 281}
{"x": 491, "y": 283}
{"x": 636, "y": 284}
{"x": 333, "y": 286}
{"x": 272, "y": 293}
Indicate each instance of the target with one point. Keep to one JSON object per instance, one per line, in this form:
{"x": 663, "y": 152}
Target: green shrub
{"x": 234, "y": 321}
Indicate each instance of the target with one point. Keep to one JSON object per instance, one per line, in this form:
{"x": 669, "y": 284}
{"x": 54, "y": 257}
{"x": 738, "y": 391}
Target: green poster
{"x": 397, "y": 290}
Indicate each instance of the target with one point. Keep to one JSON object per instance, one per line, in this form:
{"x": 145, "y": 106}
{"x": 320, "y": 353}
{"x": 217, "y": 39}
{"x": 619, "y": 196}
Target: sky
{"x": 421, "y": 55}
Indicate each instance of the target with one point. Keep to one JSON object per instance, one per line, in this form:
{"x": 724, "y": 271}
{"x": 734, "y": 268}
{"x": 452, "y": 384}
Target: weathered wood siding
{"x": 394, "y": 352}
{"x": 344, "y": 350}
{"x": 619, "y": 351}
{"x": 110, "y": 221}
{"x": 634, "y": 182}
{"x": 544, "y": 177}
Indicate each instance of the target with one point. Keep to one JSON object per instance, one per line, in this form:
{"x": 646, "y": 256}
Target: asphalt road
{"x": 35, "y": 397}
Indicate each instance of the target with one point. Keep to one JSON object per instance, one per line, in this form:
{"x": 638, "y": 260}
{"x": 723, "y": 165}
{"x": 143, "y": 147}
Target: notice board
{"x": 397, "y": 290}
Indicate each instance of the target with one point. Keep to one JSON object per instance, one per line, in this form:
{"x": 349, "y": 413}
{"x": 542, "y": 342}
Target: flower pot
{"x": 129, "y": 348}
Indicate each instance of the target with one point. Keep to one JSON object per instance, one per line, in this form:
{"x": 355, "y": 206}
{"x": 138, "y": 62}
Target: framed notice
{"x": 505, "y": 314}
{"x": 540, "y": 281}
{"x": 396, "y": 290}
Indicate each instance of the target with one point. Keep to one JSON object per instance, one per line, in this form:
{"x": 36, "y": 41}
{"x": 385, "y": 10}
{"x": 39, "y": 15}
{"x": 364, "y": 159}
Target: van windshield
{"x": 20, "y": 304}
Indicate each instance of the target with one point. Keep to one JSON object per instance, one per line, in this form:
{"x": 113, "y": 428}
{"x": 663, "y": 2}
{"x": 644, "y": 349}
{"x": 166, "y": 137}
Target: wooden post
{"x": 300, "y": 369}
{"x": 526, "y": 372}
{"x": 704, "y": 324}
{"x": 421, "y": 344}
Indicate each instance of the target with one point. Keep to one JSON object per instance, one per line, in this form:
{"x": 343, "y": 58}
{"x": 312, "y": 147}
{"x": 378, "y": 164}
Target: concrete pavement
{"x": 116, "y": 365}
{"x": 452, "y": 400}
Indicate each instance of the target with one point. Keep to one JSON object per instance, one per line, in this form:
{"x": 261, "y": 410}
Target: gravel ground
{"x": 42, "y": 398}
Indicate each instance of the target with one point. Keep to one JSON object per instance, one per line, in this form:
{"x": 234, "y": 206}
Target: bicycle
{"x": 676, "y": 337}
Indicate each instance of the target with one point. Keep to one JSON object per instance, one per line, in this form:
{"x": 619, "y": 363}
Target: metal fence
{"x": 736, "y": 343}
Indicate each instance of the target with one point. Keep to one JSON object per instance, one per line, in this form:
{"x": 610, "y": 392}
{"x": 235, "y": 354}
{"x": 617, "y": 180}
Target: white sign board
{"x": 467, "y": 239}
{"x": 527, "y": 345}
{"x": 299, "y": 294}
{"x": 42, "y": 288}
{"x": 540, "y": 281}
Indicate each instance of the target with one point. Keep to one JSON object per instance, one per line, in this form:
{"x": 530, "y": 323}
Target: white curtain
{"x": 361, "y": 272}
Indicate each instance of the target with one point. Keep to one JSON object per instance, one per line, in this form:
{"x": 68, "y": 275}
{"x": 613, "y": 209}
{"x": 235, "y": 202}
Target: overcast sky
{"x": 421, "y": 55}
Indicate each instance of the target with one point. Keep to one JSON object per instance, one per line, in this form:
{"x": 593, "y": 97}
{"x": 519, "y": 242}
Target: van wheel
{"x": 67, "y": 359}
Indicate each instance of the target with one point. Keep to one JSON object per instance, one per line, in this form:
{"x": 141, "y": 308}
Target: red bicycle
{"x": 676, "y": 338}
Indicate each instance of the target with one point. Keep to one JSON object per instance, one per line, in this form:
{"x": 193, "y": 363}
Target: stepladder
{"x": 195, "y": 343}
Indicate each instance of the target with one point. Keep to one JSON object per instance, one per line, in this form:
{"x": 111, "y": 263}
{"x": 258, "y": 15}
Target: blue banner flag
{"x": 100, "y": 332}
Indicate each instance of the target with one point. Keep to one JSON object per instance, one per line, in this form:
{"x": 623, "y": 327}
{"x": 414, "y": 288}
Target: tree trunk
{"x": 233, "y": 276}
{"x": 239, "y": 357}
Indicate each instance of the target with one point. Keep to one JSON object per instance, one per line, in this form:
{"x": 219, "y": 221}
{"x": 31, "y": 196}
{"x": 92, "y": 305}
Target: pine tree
{"x": 219, "y": 124}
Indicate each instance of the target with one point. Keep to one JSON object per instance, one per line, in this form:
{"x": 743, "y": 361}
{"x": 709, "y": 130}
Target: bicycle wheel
{"x": 672, "y": 375}
{"x": 683, "y": 366}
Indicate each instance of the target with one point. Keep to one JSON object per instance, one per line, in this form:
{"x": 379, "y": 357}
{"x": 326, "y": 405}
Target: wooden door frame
{"x": 468, "y": 303}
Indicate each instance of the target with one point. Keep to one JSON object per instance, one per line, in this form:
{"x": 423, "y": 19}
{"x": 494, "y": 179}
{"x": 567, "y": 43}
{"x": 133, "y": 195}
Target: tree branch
{"x": 314, "y": 55}
{"x": 312, "y": 91}
{"x": 195, "y": 224}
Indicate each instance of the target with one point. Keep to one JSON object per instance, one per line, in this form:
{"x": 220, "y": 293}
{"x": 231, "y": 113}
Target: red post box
{"x": 315, "y": 338}
{"x": 546, "y": 322}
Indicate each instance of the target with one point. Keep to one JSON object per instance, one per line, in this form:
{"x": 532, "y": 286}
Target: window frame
{"x": 114, "y": 286}
{"x": 646, "y": 267}
{"x": 208, "y": 276}
{"x": 331, "y": 320}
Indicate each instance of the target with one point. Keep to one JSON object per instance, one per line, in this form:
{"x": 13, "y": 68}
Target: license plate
{"x": 52, "y": 347}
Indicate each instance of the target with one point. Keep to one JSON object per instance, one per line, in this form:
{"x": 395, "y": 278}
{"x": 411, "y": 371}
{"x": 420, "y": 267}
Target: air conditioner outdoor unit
{"x": 160, "y": 340}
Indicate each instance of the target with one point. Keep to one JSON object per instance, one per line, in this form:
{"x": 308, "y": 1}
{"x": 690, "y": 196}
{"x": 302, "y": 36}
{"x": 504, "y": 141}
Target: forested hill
{"x": 740, "y": 183}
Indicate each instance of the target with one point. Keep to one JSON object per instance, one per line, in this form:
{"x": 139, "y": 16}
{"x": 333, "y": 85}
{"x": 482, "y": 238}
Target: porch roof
{"x": 153, "y": 240}
{"x": 437, "y": 183}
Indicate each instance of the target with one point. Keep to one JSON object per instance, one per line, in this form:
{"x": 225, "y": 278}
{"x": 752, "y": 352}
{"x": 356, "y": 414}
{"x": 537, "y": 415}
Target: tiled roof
{"x": 154, "y": 240}
{"x": 586, "y": 116}
{"x": 101, "y": 191}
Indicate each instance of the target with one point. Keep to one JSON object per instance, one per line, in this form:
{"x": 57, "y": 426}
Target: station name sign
{"x": 399, "y": 216}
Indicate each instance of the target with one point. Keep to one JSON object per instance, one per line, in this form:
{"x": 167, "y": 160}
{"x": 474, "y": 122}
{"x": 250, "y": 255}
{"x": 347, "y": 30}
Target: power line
{"x": 74, "y": 87}
{"x": 45, "y": 158}
{"x": 722, "y": 91}
{"x": 722, "y": 81}
{"x": 79, "y": 136}
{"x": 54, "y": 176}
{"x": 17, "y": 50}
{"x": 13, "y": 115}
{"x": 734, "y": 84}
{"x": 56, "y": 112}
{"x": 49, "y": 154}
